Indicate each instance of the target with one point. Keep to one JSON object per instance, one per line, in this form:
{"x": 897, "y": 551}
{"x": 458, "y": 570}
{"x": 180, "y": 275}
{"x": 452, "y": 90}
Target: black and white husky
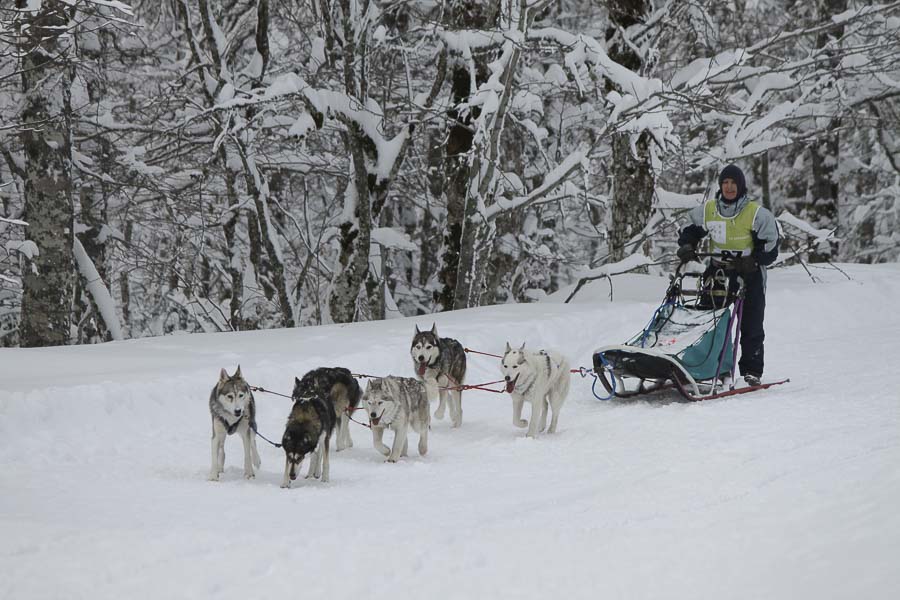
{"x": 338, "y": 385}
{"x": 308, "y": 431}
{"x": 440, "y": 363}
{"x": 233, "y": 410}
{"x": 541, "y": 378}
{"x": 401, "y": 404}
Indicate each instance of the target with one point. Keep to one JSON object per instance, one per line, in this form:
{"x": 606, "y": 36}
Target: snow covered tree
{"x": 241, "y": 165}
{"x": 45, "y": 43}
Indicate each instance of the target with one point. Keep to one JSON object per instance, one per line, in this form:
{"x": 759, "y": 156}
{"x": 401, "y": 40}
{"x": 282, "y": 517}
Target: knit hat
{"x": 734, "y": 172}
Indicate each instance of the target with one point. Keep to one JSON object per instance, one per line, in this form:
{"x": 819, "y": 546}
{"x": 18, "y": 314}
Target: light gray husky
{"x": 398, "y": 403}
{"x": 233, "y": 410}
{"x": 440, "y": 363}
{"x": 541, "y": 378}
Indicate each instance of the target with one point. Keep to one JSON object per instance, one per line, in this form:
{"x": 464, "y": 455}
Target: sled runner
{"x": 690, "y": 343}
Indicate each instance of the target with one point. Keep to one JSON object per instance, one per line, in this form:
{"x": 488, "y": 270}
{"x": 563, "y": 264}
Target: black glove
{"x": 687, "y": 253}
{"x": 744, "y": 265}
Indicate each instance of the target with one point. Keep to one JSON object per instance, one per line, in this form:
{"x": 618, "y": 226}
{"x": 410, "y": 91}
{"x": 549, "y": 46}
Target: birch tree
{"x": 46, "y": 45}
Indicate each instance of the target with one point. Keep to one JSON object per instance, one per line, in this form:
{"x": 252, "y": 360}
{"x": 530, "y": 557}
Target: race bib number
{"x": 717, "y": 231}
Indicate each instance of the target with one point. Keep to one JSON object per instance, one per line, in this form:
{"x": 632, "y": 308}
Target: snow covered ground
{"x": 788, "y": 493}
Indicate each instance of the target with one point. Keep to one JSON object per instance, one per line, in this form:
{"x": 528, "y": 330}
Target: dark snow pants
{"x": 752, "y": 333}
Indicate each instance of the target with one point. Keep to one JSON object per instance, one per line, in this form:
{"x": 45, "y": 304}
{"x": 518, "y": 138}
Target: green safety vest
{"x": 732, "y": 234}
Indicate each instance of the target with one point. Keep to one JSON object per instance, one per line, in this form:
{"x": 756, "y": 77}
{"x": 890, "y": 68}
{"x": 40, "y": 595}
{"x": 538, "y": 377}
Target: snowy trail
{"x": 790, "y": 493}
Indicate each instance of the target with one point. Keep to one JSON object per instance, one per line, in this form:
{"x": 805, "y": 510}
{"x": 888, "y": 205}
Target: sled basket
{"x": 687, "y": 345}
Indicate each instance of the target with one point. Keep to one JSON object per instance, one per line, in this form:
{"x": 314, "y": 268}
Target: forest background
{"x": 200, "y": 165}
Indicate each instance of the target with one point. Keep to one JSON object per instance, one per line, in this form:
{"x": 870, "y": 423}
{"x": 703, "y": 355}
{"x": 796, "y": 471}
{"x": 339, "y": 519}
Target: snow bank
{"x": 106, "y": 449}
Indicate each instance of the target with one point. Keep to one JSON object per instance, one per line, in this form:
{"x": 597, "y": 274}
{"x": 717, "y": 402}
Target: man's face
{"x": 729, "y": 189}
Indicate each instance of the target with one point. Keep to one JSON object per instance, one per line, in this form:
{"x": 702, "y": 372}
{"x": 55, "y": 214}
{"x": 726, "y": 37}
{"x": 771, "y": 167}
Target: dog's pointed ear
{"x": 223, "y": 376}
{"x": 522, "y": 347}
{"x": 434, "y": 328}
{"x": 417, "y": 329}
{"x": 237, "y": 374}
{"x": 296, "y": 381}
{"x": 508, "y": 348}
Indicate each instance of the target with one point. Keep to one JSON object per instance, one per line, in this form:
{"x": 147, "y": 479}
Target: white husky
{"x": 541, "y": 378}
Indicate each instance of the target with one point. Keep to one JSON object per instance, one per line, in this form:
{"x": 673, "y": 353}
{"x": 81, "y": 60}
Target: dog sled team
{"x": 325, "y": 398}
{"x": 742, "y": 238}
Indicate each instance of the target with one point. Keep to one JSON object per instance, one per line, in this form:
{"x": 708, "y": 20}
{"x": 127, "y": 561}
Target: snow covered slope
{"x": 788, "y": 493}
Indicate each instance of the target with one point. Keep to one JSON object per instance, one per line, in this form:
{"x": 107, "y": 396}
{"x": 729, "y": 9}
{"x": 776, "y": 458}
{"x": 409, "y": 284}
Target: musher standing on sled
{"x": 745, "y": 231}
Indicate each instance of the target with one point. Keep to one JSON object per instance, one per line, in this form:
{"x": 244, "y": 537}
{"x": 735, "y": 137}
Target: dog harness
{"x": 230, "y": 428}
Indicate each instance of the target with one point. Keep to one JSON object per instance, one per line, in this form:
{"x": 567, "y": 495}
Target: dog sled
{"x": 689, "y": 345}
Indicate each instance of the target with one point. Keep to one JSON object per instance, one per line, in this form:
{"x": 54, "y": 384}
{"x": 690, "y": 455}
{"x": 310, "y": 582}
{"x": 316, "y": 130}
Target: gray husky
{"x": 541, "y": 378}
{"x": 233, "y": 410}
{"x": 308, "y": 431}
{"x": 440, "y": 363}
{"x": 398, "y": 403}
{"x": 338, "y": 385}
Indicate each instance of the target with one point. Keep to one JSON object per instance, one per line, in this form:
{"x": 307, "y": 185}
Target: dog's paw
{"x": 213, "y": 477}
{"x": 439, "y": 414}
{"x": 521, "y": 423}
{"x": 249, "y": 475}
{"x": 285, "y": 485}
{"x": 390, "y": 460}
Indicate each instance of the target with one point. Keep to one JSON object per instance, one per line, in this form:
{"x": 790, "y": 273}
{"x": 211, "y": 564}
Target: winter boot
{"x": 752, "y": 379}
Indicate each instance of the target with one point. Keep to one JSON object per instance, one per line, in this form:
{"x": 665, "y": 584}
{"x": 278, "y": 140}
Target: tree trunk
{"x": 504, "y": 259}
{"x": 47, "y": 74}
{"x": 355, "y": 236}
{"x": 456, "y": 169}
{"x": 822, "y": 211}
{"x": 762, "y": 175}
{"x": 506, "y": 253}
{"x": 474, "y": 257}
{"x": 465, "y": 14}
{"x": 427, "y": 234}
{"x": 426, "y": 229}
{"x": 92, "y": 327}
{"x": 272, "y": 262}
{"x": 124, "y": 287}
{"x": 232, "y": 250}
{"x": 823, "y": 190}
{"x": 633, "y": 179}
{"x": 632, "y": 198}
{"x": 94, "y": 196}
